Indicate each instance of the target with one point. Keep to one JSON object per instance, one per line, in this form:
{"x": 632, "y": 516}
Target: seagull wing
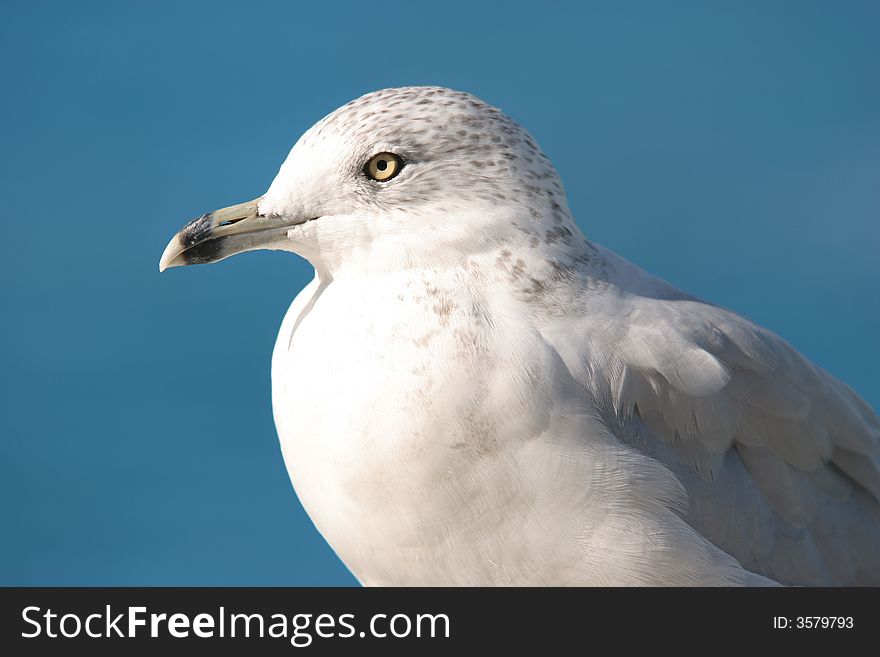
{"x": 780, "y": 459}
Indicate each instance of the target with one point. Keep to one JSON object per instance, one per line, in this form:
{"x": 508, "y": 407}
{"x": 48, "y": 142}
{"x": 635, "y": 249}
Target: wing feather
{"x": 739, "y": 408}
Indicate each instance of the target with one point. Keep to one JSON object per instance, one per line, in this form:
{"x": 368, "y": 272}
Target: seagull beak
{"x": 222, "y": 233}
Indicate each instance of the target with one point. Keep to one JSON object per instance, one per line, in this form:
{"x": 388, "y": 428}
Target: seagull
{"x": 471, "y": 392}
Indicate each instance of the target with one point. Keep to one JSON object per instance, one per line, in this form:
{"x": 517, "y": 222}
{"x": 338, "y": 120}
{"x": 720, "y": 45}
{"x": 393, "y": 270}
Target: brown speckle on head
{"x": 558, "y": 234}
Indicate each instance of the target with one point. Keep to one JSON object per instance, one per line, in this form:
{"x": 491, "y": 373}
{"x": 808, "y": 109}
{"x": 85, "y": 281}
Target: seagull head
{"x": 399, "y": 177}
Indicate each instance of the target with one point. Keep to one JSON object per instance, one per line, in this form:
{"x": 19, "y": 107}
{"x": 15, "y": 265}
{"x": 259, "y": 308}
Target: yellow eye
{"x": 383, "y": 166}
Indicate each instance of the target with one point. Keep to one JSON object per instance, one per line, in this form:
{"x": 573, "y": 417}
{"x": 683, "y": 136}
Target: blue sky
{"x": 734, "y": 150}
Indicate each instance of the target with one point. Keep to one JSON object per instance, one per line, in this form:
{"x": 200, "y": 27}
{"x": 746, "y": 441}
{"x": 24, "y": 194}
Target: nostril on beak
{"x": 229, "y": 222}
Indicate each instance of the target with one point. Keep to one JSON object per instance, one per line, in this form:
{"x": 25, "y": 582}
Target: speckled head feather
{"x": 471, "y": 174}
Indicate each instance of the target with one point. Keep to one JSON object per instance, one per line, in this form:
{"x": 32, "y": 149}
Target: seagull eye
{"x": 383, "y": 166}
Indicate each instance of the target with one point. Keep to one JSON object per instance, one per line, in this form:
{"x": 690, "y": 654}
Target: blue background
{"x": 734, "y": 150}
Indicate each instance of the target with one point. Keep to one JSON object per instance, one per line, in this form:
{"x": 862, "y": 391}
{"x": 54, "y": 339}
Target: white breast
{"x": 435, "y": 439}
